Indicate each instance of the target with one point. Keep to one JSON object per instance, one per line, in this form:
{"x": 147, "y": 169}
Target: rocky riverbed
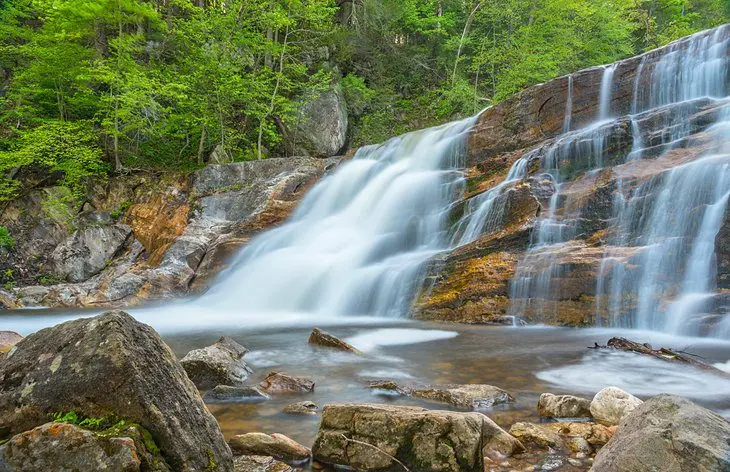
{"x": 109, "y": 392}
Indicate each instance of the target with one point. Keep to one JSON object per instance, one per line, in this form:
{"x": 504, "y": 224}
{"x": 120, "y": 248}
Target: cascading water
{"x": 358, "y": 241}
{"x": 658, "y": 266}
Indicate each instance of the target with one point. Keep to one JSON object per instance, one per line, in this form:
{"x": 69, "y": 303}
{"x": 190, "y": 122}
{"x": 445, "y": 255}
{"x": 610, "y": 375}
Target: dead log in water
{"x": 663, "y": 353}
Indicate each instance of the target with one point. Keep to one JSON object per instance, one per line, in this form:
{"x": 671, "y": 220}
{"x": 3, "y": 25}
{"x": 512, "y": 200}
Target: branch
{"x": 355, "y": 441}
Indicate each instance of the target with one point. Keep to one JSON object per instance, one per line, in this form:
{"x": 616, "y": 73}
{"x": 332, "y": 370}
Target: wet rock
{"x": 88, "y": 251}
{"x": 219, "y": 364}
{"x": 275, "y": 445}
{"x": 611, "y": 404}
{"x": 321, "y": 127}
{"x": 228, "y": 393}
{"x": 472, "y": 396}
{"x": 594, "y": 434}
{"x": 369, "y": 436}
{"x": 323, "y": 338}
{"x": 8, "y": 339}
{"x": 111, "y": 365}
{"x": 279, "y": 382}
{"x": 669, "y": 434}
{"x": 551, "y": 463}
{"x": 55, "y": 446}
{"x": 532, "y": 433}
{"x": 259, "y": 464}
{"x": 563, "y": 406}
{"x": 301, "y": 408}
{"x": 578, "y": 444}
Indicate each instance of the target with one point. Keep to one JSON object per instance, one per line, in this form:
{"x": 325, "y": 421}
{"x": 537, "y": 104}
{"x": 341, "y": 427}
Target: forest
{"x": 89, "y": 88}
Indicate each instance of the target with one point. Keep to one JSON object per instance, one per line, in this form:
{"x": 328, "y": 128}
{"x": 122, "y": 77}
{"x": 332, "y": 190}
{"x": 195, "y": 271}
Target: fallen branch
{"x": 355, "y": 441}
{"x": 663, "y": 353}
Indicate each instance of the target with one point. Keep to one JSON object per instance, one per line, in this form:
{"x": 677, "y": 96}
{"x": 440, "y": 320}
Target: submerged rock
{"x": 259, "y": 464}
{"x": 275, "y": 445}
{"x": 219, "y": 364}
{"x": 279, "y": 382}
{"x": 470, "y": 396}
{"x": 323, "y": 338}
{"x": 301, "y": 408}
{"x": 384, "y": 437}
{"x": 110, "y": 365}
{"x": 563, "y": 406}
{"x": 228, "y": 393}
{"x": 611, "y": 404}
{"x": 65, "y": 447}
{"x": 669, "y": 434}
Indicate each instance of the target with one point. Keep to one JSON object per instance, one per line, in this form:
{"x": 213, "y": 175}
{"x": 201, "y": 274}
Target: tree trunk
{"x": 201, "y": 146}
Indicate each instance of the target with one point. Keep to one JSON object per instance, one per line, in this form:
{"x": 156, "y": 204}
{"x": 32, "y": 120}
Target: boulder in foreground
{"x": 668, "y": 434}
{"x": 219, "y": 364}
{"x": 111, "y": 366}
{"x": 612, "y": 404}
{"x": 563, "y": 406}
{"x": 384, "y": 437}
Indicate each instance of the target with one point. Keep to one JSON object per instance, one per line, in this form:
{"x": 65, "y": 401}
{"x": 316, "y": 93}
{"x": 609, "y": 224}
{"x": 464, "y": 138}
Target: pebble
{"x": 575, "y": 462}
{"x": 580, "y": 455}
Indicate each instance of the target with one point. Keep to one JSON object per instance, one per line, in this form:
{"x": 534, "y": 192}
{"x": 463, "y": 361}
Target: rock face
{"x": 279, "y": 382}
{"x": 321, "y": 127}
{"x": 68, "y": 448}
{"x": 184, "y": 227}
{"x": 612, "y": 404}
{"x": 563, "y": 406}
{"x": 372, "y": 437}
{"x": 219, "y": 364}
{"x": 87, "y": 252}
{"x": 275, "y": 445}
{"x": 323, "y": 338}
{"x": 110, "y": 365}
{"x": 668, "y": 434}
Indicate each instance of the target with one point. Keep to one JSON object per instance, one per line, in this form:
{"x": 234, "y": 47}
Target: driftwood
{"x": 663, "y": 353}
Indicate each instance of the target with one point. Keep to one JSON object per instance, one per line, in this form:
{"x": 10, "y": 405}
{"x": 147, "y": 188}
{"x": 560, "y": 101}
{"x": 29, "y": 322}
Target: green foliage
{"x": 6, "y": 239}
{"x": 123, "y": 207}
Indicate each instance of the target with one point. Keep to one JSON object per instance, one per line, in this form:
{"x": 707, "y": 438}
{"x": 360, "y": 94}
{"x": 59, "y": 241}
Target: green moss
{"x": 211, "y": 461}
{"x": 123, "y": 207}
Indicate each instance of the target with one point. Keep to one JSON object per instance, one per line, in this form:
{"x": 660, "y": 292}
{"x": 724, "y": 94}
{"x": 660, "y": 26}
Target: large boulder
{"x": 384, "y": 437}
{"x": 88, "y": 251}
{"x": 563, "y": 406}
{"x": 611, "y": 404}
{"x": 111, "y": 365}
{"x": 65, "y": 447}
{"x": 668, "y": 434}
{"x": 219, "y": 364}
{"x": 321, "y": 126}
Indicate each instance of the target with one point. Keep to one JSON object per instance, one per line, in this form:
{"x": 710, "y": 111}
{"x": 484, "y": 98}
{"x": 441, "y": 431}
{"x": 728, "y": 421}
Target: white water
{"x": 358, "y": 241}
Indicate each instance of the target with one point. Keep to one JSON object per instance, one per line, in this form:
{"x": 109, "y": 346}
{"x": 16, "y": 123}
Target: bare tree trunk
{"x": 467, "y": 25}
{"x": 273, "y": 95}
{"x": 201, "y": 146}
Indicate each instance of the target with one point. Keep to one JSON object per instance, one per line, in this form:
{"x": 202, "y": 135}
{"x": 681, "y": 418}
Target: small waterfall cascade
{"x": 358, "y": 241}
{"x": 657, "y": 267}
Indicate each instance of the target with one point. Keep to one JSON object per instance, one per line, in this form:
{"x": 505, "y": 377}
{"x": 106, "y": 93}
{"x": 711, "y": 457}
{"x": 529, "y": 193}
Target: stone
{"x": 532, "y": 433}
{"x": 275, "y": 445}
{"x": 219, "y": 155}
{"x": 370, "y": 436}
{"x": 321, "y": 126}
{"x": 301, "y": 408}
{"x": 578, "y": 444}
{"x": 594, "y": 434}
{"x": 219, "y": 364}
{"x": 611, "y": 404}
{"x": 279, "y": 382}
{"x": 110, "y": 365}
{"x": 228, "y": 393}
{"x": 8, "y": 339}
{"x": 668, "y": 434}
{"x": 471, "y": 396}
{"x": 259, "y": 464}
{"x": 88, "y": 251}
{"x": 563, "y": 406}
{"x": 323, "y": 338}
{"x": 58, "y": 446}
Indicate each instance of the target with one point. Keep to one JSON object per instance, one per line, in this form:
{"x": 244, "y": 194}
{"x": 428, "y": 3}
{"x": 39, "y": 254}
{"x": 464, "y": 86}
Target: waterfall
{"x": 358, "y": 241}
{"x": 568, "y": 115}
{"x": 658, "y": 268}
